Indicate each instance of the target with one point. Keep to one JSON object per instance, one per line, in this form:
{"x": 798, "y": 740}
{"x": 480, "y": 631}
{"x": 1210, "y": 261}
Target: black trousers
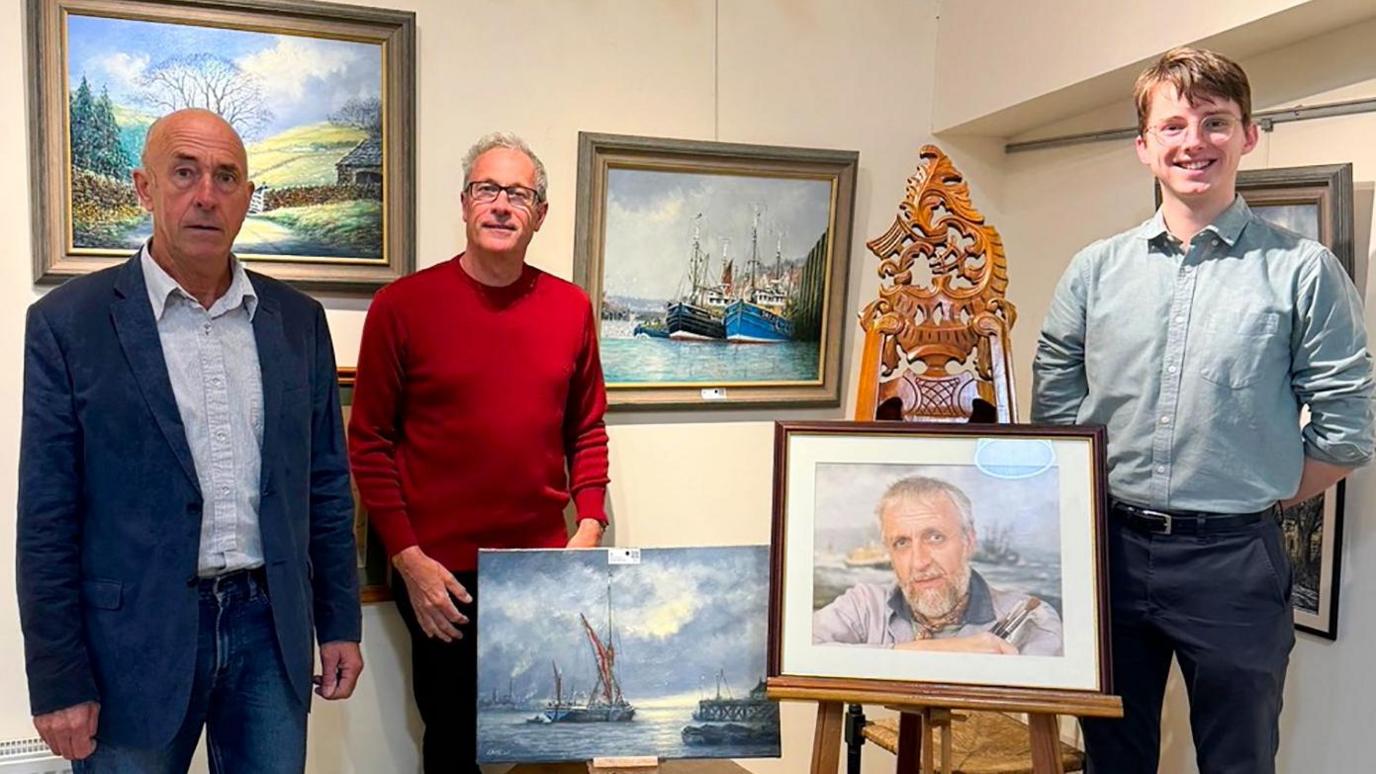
{"x": 444, "y": 679}
{"x": 1219, "y": 603}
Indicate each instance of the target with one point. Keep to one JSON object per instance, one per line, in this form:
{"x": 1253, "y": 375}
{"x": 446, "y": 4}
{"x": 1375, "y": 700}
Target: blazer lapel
{"x": 272, "y": 351}
{"x": 138, "y": 336}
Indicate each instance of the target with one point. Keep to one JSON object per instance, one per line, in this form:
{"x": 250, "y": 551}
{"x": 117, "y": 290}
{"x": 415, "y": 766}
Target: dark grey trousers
{"x": 1219, "y": 603}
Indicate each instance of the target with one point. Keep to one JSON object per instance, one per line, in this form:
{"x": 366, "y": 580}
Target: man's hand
{"x": 340, "y": 665}
{"x": 70, "y": 732}
{"x": 984, "y": 642}
{"x": 589, "y": 534}
{"x": 430, "y": 585}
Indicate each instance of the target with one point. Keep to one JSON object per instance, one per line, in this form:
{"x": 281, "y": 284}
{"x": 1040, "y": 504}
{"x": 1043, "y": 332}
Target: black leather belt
{"x": 1158, "y": 522}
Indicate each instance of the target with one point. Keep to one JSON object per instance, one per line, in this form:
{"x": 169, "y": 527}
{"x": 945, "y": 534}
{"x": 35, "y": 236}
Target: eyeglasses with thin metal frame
{"x": 485, "y": 191}
{"x": 1218, "y": 129}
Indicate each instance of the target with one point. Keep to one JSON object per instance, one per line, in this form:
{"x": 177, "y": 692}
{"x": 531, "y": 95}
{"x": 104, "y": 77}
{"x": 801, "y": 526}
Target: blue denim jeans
{"x": 241, "y": 695}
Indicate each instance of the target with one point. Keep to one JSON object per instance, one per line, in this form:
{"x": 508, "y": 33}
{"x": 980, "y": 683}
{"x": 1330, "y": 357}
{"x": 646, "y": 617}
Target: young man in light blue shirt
{"x": 1196, "y": 338}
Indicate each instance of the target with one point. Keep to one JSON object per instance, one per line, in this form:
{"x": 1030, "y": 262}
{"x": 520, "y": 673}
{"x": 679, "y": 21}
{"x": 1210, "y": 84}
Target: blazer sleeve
{"x": 338, "y": 616}
{"x": 48, "y": 543}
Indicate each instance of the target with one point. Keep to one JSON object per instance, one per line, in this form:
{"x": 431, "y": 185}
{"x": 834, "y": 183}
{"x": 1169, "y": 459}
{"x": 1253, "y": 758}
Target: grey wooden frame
{"x": 55, "y": 260}
{"x": 599, "y": 152}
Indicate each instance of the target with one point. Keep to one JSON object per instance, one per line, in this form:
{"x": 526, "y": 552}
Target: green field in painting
{"x": 302, "y": 155}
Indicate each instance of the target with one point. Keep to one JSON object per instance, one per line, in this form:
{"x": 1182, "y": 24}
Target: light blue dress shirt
{"x": 212, "y": 360}
{"x": 1198, "y": 362}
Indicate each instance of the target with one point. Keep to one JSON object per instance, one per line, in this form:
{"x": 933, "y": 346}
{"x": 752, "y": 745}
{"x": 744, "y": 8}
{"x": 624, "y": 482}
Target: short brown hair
{"x": 1195, "y": 73}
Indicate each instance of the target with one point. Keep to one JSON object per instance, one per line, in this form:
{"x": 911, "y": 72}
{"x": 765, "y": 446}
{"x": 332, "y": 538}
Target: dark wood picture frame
{"x": 786, "y": 683}
{"x": 374, "y": 571}
{"x": 600, "y": 153}
{"x": 56, "y": 259}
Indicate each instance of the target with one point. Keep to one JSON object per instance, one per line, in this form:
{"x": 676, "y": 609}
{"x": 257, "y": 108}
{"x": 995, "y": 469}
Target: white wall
{"x": 985, "y": 46}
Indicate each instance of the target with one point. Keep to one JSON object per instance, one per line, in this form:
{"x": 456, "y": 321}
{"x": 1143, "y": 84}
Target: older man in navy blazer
{"x": 185, "y": 520}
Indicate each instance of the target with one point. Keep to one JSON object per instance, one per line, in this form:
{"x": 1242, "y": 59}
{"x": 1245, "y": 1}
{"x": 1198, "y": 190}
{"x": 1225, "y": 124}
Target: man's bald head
{"x": 196, "y": 119}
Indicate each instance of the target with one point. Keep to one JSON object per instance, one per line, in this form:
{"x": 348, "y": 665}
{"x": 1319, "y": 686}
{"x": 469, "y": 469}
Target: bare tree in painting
{"x": 1306, "y": 520}
{"x": 361, "y": 113}
{"x": 211, "y": 82}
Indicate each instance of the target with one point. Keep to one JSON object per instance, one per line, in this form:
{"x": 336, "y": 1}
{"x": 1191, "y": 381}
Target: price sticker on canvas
{"x": 623, "y": 556}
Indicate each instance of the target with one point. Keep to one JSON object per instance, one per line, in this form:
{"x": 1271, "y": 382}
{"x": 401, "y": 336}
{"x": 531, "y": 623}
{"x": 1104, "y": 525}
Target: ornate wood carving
{"x": 937, "y": 337}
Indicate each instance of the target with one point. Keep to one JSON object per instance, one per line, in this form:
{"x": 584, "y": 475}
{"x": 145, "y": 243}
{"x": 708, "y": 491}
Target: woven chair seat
{"x": 981, "y": 743}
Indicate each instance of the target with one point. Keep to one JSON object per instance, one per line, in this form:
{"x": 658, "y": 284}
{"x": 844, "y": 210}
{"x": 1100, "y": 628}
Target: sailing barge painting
{"x": 580, "y": 657}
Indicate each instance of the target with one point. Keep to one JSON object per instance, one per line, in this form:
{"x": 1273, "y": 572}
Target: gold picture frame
{"x": 334, "y": 206}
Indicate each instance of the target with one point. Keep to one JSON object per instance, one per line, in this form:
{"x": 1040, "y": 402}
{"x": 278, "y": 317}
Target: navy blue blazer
{"x": 110, "y": 507}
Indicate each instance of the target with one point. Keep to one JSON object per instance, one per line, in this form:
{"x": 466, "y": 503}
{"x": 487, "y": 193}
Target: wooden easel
{"x": 922, "y": 715}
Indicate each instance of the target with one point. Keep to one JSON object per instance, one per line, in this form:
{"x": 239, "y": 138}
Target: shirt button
{"x": 1160, "y": 468}
{"x": 1180, "y": 318}
{"x": 1169, "y": 369}
{"x": 1165, "y": 420}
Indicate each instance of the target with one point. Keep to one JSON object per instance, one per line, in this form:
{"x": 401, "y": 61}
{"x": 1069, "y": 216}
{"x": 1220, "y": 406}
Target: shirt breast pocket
{"x": 1236, "y": 345}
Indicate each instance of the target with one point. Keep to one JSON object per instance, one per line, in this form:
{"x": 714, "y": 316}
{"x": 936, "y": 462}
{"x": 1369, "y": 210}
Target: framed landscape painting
{"x": 717, "y": 270}
{"x": 965, "y": 560}
{"x": 321, "y": 94}
{"x": 611, "y": 652}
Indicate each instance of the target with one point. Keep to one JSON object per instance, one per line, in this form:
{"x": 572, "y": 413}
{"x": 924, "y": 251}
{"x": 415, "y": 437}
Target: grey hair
{"x": 505, "y": 140}
{"x": 924, "y": 487}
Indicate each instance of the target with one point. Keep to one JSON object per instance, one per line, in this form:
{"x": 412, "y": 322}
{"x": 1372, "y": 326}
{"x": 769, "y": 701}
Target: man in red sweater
{"x": 477, "y": 415}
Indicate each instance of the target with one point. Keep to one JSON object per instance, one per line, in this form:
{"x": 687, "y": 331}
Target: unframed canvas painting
{"x": 309, "y": 110}
{"x": 613, "y": 652}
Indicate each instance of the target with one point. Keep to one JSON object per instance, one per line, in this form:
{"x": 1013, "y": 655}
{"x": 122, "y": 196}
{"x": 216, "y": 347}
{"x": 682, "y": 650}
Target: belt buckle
{"x": 1166, "y": 519}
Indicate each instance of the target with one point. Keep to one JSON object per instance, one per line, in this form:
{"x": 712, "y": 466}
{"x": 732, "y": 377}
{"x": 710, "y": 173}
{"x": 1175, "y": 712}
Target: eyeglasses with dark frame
{"x": 486, "y": 191}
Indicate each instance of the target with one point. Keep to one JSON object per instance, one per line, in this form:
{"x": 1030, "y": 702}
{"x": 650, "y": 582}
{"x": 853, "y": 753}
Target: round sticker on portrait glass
{"x": 1013, "y": 458}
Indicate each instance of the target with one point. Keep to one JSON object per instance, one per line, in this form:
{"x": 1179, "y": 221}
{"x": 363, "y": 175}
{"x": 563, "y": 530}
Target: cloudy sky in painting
{"x": 651, "y": 216}
{"x": 303, "y": 79}
{"x": 678, "y": 616}
{"x": 847, "y": 494}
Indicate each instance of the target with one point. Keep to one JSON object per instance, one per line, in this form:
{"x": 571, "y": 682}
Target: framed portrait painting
{"x": 322, "y": 95}
{"x": 962, "y": 558}
{"x": 374, "y": 571}
{"x": 717, "y": 270}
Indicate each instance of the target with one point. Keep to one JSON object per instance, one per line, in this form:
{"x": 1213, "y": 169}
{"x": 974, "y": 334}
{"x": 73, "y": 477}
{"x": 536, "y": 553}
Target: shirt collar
{"x": 161, "y": 286}
{"x": 980, "y": 610}
{"x": 1227, "y": 226}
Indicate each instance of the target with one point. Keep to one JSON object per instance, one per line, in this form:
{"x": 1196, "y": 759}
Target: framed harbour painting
{"x": 717, "y": 270}
{"x": 322, "y": 95}
{"x": 612, "y": 652}
{"x": 968, "y": 561}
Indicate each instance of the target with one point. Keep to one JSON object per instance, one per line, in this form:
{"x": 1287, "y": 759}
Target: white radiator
{"x": 30, "y": 756}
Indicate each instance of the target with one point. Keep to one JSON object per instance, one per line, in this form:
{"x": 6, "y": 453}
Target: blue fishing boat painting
{"x": 696, "y": 265}
{"x": 612, "y": 652}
